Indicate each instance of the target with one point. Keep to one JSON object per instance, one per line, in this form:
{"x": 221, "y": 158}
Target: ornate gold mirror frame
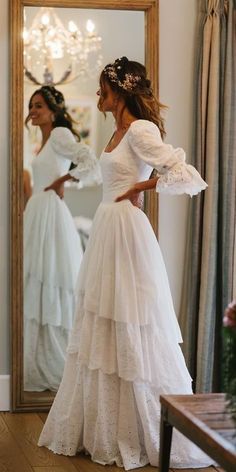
{"x": 20, "y": 400}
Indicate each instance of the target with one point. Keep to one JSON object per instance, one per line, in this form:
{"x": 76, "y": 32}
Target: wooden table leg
{"x": 165, "y": 441}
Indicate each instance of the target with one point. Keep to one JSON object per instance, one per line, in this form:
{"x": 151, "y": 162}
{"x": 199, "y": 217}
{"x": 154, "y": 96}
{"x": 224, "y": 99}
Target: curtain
{"x": 209, "y": 267}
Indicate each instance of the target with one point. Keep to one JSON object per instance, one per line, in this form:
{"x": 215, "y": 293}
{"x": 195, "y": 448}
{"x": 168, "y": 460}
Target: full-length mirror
{"x": 66, "y": 46}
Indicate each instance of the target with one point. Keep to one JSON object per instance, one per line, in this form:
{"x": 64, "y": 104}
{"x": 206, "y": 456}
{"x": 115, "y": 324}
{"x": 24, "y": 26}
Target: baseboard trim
{"x": 4, "y": 392}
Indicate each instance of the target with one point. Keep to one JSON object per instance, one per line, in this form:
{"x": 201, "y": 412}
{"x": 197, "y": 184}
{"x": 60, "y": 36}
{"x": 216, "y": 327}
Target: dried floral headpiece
{"x": 129, "y": 81}
{"x": 53, "y": 95}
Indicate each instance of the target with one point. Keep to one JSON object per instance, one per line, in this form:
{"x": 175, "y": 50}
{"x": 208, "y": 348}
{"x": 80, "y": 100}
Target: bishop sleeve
{"x": 87, "y": 165}
{"x": 175, "y": 175}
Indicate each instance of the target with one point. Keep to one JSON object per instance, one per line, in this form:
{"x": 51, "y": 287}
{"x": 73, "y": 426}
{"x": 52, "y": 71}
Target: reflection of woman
{"x": 124, "y": 348}
{"x": 52, "y": 248}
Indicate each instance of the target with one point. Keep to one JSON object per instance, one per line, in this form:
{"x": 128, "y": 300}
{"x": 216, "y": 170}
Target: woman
{"x": 52, "y": 248}
{"x": 124, "y": 347}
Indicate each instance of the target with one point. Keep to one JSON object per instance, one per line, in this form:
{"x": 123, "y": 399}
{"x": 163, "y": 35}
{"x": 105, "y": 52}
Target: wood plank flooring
{"x": 19, "y": 452}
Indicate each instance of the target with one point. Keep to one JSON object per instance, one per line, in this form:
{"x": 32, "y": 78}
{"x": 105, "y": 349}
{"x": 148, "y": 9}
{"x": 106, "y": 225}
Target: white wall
{"x": 177, "y": 24}
{"x": 177, "y": 30}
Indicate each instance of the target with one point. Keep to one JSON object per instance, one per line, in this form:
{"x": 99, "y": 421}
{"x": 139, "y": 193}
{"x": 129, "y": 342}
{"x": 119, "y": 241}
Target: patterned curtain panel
{"x": 209, "y": 274}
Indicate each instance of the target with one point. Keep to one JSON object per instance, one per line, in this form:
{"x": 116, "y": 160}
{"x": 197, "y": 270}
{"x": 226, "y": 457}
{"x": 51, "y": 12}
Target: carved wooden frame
{"x": 20, "y": 400}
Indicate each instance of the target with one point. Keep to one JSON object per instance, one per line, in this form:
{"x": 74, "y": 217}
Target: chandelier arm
{"x": 64, "y": 77}
{"x": 31, "y": 77}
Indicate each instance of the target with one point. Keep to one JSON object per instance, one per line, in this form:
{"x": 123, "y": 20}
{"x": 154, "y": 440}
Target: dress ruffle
{"x": 120, "y": 359}
{"x": 128, "y": 350}
{"x": 52, "y": 257}
{"x": 124, "y": 348}
{"x": 111, "y": 278}
{"x": 47, "y": 303}
{"x": 181, "y": 179}
{"x": 52, "y": 250}
{"x": 119, "y": 422}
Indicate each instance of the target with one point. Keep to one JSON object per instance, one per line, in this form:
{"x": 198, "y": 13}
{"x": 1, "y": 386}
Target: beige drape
{"x": 208, "y": 284}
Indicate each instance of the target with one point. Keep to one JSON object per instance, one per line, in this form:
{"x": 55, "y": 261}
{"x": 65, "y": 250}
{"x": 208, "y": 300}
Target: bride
{"x": 124, "y": 347}
{"x": 52, "y": 247}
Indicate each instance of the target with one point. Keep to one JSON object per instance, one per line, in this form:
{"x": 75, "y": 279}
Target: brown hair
{"x": 129, "y": 80}
{"x": 55, "y": 102}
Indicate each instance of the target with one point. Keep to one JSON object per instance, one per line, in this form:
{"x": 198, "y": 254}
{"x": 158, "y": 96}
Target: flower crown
{"x": 54, "y": 96}
{"x": 130, "y": 80}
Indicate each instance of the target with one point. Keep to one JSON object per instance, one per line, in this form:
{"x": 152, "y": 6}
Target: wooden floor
{"x": 19, "y": 452}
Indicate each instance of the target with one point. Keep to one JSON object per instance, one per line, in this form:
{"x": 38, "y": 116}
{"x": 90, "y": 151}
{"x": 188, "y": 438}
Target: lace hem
{"x": 113, "y": 420}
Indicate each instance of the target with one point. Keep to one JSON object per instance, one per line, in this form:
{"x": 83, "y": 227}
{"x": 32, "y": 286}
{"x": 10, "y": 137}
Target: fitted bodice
{"x": 47, "y": 166}
{"x": 121, "y": 168}
{"x": 55, "y": 158}
{"x": 140, "y": 150}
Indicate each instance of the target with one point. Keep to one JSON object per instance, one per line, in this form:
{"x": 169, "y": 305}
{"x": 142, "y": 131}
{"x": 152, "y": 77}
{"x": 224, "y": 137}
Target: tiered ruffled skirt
{"x": 52, "y": 257}
{"x": 123, "y": 351}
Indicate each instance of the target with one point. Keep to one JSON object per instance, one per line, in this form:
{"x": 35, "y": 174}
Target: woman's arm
{"x": 137, "y": 188}
{"x": 86, "y": 164}
{"x": 58, "y": 185}
{"x": 27, "y": 186}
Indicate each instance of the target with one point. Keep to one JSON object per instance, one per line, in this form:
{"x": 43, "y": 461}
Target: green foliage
{"x": 229, "y": 357}
{"x": 229, "y": 360}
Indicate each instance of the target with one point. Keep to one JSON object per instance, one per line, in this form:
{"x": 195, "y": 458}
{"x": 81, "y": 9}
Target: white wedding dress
{"x": 124, "y": 347}
{"x": 52, "y": 257}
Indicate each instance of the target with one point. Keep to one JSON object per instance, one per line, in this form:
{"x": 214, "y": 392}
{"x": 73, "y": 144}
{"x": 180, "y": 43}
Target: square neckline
{"x": 123, "y": 137}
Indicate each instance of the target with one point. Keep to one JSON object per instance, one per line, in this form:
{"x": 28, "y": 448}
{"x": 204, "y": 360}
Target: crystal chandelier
{"x": 48, "y": 46}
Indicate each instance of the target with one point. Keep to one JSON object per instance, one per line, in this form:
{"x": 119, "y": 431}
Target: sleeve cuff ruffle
{"x": 87, "y": 167}
{"x": 182, "y": 178}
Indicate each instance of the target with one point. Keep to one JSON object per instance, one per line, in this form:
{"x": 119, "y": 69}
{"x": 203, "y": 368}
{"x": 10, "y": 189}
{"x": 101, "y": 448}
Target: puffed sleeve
{"x": 87, "y": 165}
{"x": 175, "y": 175}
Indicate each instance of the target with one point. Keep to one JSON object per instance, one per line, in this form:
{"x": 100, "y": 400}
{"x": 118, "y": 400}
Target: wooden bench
{"x": 205, "y": 420}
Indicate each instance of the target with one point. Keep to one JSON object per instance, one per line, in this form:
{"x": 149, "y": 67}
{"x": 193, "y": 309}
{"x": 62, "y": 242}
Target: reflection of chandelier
{"x": 48, "y": 45}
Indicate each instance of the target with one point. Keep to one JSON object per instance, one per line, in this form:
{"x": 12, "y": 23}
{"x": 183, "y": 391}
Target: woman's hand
{"x": 138, "y": 200}
{"x": 58, "y": 187}
{"x": 134, "y": 195}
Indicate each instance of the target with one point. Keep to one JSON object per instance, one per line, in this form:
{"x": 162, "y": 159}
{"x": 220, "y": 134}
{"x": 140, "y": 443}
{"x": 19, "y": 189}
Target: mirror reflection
{"x": 56, "y": 228}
